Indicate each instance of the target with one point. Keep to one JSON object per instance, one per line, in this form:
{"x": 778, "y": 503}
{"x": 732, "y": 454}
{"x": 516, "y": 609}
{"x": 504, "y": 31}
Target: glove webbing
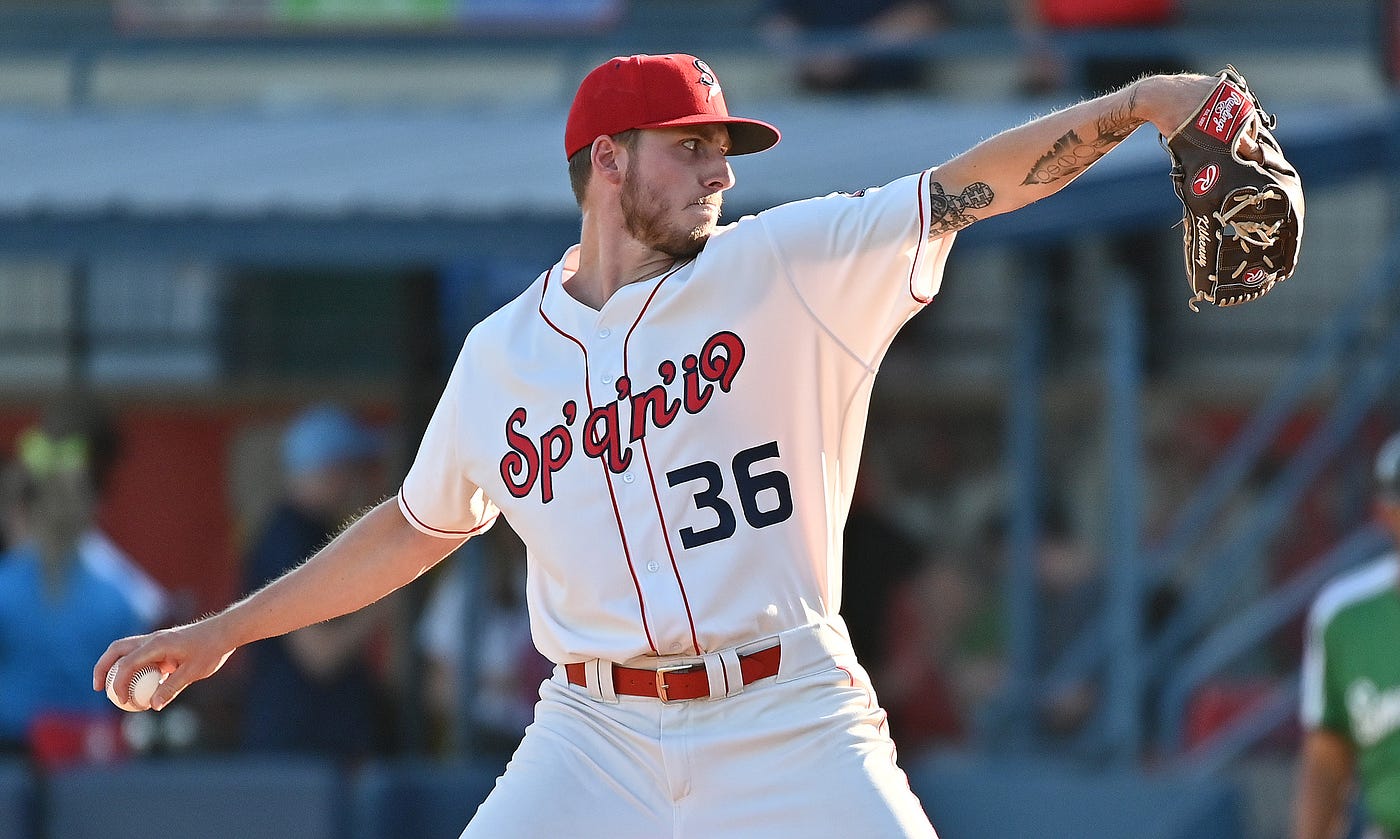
{"x": 1247, "y": 233}
{"x": 1251, "y": 232}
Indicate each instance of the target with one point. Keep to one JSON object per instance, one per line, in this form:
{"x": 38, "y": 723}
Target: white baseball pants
{"x": 804, "y": 754}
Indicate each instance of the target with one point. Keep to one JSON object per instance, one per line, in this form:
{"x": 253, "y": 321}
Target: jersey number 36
{"x": 749, "y": 487}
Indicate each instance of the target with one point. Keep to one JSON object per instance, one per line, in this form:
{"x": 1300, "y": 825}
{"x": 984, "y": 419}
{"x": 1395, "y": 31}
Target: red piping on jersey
{"x": 427, "y": 526}
{"x": 651, "y": 476}
{"x": 923, "y": 239}
{"x": 617, "y": 514}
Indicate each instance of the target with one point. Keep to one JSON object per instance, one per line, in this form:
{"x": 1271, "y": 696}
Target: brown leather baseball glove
{"x": 1243, "y": 200}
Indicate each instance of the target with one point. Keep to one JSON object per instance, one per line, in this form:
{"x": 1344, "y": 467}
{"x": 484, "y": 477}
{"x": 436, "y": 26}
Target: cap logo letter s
{"x": 707, "y": 78}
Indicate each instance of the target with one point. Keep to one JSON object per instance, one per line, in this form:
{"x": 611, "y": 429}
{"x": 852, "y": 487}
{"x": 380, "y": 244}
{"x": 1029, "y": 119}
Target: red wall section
{"x": 168, "y": 504}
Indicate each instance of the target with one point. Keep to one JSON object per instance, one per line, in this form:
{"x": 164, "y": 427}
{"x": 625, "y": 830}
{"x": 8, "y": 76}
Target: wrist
{"x": 1167, "y": 102}
{"x": 226, "y": 630}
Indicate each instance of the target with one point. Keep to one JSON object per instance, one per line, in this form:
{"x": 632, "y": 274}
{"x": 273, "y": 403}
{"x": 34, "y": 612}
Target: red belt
{"x": 673, "y": 683}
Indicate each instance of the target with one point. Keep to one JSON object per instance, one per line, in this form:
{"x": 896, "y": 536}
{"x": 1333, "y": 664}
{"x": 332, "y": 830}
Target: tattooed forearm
{"x": 948, "y": 213}
{"x": 1115, "y": 126}
{"x": 1071, "y": 155}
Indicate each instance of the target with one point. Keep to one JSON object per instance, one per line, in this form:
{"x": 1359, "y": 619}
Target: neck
{"x": 608, "y": 259}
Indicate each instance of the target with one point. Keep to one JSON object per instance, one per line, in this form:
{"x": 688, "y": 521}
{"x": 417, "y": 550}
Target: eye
{"x": 691, "y": 144}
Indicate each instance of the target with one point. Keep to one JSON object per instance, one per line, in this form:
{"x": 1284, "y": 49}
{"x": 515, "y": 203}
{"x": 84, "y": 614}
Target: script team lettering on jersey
{"x": 530, "y": 462}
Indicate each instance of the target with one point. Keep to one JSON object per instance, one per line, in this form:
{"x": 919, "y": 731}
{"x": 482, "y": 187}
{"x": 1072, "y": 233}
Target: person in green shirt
{"x": 1350, "y": 705}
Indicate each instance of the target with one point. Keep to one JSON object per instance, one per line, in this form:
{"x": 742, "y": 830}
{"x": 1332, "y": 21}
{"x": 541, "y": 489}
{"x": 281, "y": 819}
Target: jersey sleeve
{"x": 437, "y": 496}
{"x": 862, "y": 263}
{"x": 1321, "y": 702}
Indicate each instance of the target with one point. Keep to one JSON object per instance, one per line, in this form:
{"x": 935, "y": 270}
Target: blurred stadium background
{"x": 215, "y": 212}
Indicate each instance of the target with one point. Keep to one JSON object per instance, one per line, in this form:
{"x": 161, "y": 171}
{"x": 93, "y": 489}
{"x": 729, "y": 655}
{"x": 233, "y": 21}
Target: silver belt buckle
{"x": 661, "y": 689}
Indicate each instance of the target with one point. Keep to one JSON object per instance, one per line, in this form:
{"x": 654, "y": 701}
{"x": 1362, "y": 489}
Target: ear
{"x": 609, "y": 159}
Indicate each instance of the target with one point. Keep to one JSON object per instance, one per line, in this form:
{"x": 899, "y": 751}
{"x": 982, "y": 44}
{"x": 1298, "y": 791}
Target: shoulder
{"x": 508, "y": 319}
{"x": 1353, "y": 589}
{"x": 903, "y": 200}
{"x": 95, "y": 543}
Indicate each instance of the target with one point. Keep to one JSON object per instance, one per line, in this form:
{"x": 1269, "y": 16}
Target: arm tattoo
{"x": 948, "y": 213}
{"x": 1115, "y": 126}
{"x": 1071, "y": 155}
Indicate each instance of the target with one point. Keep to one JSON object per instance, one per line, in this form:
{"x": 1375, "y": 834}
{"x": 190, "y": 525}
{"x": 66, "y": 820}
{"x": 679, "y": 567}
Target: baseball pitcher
{"x": 671, "y": 418}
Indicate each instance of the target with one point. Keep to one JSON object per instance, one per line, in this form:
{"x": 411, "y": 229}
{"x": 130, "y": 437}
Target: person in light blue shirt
{"x": 55, "y": 612}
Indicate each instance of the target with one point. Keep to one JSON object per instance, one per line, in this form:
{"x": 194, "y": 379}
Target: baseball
{"x": 138, "y": 691}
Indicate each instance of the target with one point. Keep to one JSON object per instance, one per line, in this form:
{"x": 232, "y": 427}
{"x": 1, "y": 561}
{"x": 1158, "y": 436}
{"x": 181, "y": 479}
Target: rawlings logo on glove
{"x": 1244, "y": 216}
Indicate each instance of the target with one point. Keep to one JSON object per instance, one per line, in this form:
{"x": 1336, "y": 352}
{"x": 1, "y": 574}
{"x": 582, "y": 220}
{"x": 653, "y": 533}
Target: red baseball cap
{"x": 656, "y": 91}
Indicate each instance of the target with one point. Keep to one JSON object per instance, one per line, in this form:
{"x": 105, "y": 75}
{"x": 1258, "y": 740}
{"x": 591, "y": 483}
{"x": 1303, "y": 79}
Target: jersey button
{"x": 604, "y": 332}
{"x": 607, "y": 380}
{"x": 628, "y": 477}
{"x": 653, "y": 566}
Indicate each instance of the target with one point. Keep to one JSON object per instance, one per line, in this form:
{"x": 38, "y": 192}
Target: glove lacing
{"x": 1256, "y": 233}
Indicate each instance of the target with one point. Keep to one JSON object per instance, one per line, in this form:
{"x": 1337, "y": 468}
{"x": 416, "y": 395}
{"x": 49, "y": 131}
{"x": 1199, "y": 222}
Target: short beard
{"x": 649, "y": 226}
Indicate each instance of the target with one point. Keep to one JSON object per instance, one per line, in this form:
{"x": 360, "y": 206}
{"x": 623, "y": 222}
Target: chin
{"x": 690, "y": 245}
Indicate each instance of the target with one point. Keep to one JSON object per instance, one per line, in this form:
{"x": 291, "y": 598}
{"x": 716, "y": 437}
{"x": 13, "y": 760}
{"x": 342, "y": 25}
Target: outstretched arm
{"x": 1035, "y": 160}
{"x": 373, "y": 557}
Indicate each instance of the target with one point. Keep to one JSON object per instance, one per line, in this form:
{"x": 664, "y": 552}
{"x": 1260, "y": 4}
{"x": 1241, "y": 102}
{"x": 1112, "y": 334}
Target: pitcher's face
{"x": 673, "y": 188}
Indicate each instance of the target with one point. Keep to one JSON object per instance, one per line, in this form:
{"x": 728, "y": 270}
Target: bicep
{"x": 414, "y": 548}
{"x": 956, "y": 201}
{"x": 967, "y": 189}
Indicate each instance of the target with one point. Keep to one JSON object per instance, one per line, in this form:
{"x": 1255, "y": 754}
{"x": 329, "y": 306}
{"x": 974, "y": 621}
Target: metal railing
{"x": 1343, "y": 343}
{"x": 1252, "y": 627}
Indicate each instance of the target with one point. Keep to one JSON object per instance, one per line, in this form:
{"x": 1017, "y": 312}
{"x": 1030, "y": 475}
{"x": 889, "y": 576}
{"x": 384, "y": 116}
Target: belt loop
{"x": 729, "y": 659}
{"x": 715, "y": 673}
{"x": 599, "y": 676}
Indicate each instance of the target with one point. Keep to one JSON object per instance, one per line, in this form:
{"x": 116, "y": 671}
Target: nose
{"x": 721, "y": 177}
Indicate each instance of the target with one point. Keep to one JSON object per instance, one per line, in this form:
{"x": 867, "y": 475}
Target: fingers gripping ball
{"x": 138, "y": 691}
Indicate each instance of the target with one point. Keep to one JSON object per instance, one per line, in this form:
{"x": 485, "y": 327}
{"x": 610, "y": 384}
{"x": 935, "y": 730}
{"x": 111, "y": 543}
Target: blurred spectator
{"x": 889, "y": 24}
{"x": 11, "y": 523}
{"x": 506, "y": 670}
{"x": 1069, "y": 585}
{"x": 315, "y": 690}
{"x": 1350, "y": 692}
{"x": 880, "y": 558}
{"x": 79, "y": 416}
{"x": 1071, "y": 590}
{"x": 919, "y": 685}
{"x": 1047, "y": 69}
{"x": 57, "y": 614}
{"x": 1388, "y": 41}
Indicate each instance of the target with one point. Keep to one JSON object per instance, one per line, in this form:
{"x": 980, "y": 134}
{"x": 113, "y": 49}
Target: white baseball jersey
{"x": 680, "y": 464}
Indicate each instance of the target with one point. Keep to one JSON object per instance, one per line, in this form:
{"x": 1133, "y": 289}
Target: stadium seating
{"x": 230, "y": 798}
{"x": 1008, "y": 798}
{"x": 413, "y": 799}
